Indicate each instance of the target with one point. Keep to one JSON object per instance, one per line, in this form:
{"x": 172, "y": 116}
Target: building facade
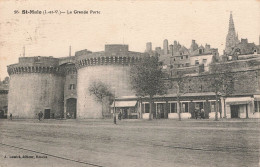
{"x": 59, "y": 87}
{"x": 4, "y": 86}
{"x": 111, "y": 67}
{"x": 36, "y": 84}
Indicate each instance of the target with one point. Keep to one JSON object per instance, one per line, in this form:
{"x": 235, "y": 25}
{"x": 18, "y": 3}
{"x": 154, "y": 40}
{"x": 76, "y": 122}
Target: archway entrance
{"x": 71, "y": 108}
{"x": 3, "y": 112}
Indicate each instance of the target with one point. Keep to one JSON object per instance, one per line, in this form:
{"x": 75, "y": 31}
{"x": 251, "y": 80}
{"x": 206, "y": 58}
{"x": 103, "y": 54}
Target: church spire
{"x": 232, "y": 36}
{"x": 231, "y": 27}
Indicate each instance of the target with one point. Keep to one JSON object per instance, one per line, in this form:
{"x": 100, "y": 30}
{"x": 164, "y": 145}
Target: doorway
{"x": 71, "y": 108}
{"x": 2, "y": 113}
{"x": 160, "y": 110}
{"x": 234, "y": 111}
{"x": 47, "y": 113}
{"x": 125, "y": 113}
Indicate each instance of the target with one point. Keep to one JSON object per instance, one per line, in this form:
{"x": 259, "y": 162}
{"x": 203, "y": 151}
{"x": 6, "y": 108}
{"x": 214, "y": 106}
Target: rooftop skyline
{"x": 125, "y": 22}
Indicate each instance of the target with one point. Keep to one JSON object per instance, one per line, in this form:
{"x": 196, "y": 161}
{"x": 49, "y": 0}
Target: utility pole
{"x": 114, "y": 115}
{"x": 70, "y": 52}
{"x": 23, "y": 51}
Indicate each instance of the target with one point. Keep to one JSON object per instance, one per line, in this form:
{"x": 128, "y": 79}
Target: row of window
{"x": 204, "y": 61}
{"x": 181, "y": 58}
{"x": 173, "y": 107}
{"x": 183, "y": 65}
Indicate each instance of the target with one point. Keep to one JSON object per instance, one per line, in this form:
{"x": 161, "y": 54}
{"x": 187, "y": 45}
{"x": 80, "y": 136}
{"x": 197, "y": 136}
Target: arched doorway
{"x": 71, "y": 108}
{"x": 3, "y": 112}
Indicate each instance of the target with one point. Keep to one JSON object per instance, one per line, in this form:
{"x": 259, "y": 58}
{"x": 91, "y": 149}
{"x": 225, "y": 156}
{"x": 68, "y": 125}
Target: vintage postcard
{"x": 129, "y": 83}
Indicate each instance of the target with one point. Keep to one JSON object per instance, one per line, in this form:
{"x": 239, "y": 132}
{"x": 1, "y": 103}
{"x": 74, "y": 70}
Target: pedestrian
{"x": 119, "y": 115}
{"x": 202, "y": 113}
{"x": 11, "y": 116}
{"x": 41, "y": 115}
{"x": 68, "y": 115}
{"x": 196, "y": 113}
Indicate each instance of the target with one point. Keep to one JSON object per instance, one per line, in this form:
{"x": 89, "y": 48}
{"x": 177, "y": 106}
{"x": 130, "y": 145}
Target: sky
{"x": 120, "y": 22}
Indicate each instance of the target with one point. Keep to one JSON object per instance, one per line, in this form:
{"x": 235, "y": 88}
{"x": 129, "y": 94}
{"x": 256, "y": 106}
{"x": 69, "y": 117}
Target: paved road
{"x": 130, "y": 143}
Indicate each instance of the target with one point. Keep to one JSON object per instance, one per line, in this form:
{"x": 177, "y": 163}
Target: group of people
{"x": 199, "y": 113}
{"x": 119, "y": 116}
{"x": 70, "y": 116}
{"x": 40, "y": 116}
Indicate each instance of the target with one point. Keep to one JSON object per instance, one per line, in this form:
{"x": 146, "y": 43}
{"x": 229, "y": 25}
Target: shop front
{"x": 239, "y": 107}
{"x": 256, "y": 113}
{"x": 127, "y": 109}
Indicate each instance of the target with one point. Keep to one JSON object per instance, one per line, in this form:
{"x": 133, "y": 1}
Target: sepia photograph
{"x": 127, "y": 83}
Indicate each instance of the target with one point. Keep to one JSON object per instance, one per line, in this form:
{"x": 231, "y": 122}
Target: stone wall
{"x": 240, "y": 82}
{"x": 116, "y": 48}
{"x": 238, "y": 65}
{"x": 31, "y": 61}
{"x": 3, "y": 99}
{"x": 30, "y": 93}
{"x": 116, "y": 76}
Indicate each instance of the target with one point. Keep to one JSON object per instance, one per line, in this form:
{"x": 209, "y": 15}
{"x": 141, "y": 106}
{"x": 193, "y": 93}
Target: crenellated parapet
{"x": 37, "y": 64}
{"x": 17, "y": 69}
{"x": 70, "y": 69}
{"x": 114, "y": 54}
{"x": 107, "y": 60}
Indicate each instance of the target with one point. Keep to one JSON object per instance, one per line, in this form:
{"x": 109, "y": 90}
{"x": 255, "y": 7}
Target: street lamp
{"x": 114, "y": 112}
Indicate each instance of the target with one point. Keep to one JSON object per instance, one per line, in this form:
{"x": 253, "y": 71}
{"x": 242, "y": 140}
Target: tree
{"x": 222, "y": 82}
{"x": 100, "y": 90}
{"x": 147, "y": 79}
{"x": 179, "y": 80}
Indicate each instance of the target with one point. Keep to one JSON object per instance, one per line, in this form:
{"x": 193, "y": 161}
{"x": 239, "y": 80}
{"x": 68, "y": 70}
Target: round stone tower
{"x": 111, "y": 67}
{"x": 36, "y": 84}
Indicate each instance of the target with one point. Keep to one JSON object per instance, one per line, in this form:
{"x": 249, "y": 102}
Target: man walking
{"x": 40, "y": 115}
{"x": 119, "y": 116}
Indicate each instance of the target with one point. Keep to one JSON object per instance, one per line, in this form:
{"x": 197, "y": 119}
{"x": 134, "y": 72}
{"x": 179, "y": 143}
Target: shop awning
{"x": 257, "y": 97}
{"x": 238, "y": 100}
{"x": 124, "y": 104}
